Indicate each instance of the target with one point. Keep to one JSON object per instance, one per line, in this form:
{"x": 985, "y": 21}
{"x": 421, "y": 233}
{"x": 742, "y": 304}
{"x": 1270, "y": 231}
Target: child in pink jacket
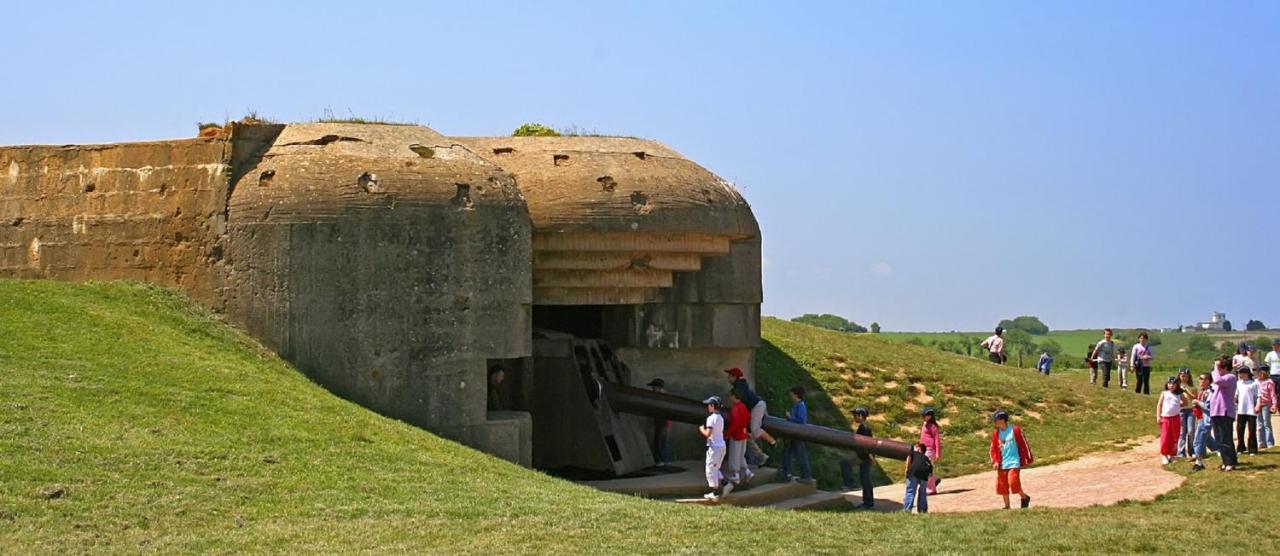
{"x": 931, "y": 437}
{"x": 1266, "y": 407}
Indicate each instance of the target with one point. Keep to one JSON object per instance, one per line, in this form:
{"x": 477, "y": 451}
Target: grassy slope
{"x": 895, "y": 381}
{"x": 171, "y": 432}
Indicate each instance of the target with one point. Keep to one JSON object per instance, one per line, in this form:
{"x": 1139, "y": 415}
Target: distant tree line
{"x": 833, "y": 322}
{"x": 1029, "y": 324}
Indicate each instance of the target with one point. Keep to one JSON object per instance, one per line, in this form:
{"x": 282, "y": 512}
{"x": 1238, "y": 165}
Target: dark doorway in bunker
{"x": 582, "y": 321}
{"x": 576, "y": 434}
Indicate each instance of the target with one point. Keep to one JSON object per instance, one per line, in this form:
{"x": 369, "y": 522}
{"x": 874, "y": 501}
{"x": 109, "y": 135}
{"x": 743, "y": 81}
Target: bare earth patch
{"x": 1100, "y": 479}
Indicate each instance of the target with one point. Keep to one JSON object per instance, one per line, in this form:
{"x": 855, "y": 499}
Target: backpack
{"x": 920, "y": 467}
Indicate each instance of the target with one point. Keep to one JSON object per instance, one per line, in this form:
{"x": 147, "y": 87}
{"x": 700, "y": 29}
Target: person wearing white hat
{"x": 713, "y": 431}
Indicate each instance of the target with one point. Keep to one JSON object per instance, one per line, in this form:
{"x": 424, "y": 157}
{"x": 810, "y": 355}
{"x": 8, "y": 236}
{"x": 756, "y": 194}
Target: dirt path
{"x": 1103, "y": 479}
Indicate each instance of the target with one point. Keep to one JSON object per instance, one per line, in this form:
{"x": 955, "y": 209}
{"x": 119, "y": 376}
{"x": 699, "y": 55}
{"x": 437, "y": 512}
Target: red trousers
{"x": 1169, "y": 429}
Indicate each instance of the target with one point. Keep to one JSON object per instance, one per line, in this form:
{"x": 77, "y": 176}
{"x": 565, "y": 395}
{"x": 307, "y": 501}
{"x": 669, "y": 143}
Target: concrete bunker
{"x": 397, "y": 266}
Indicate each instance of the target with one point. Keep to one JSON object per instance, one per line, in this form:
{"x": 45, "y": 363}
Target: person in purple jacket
{"x": 1222, "y": 411}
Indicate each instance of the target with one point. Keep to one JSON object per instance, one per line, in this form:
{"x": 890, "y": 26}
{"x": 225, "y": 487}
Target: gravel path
{"x": 1102, "y": 478}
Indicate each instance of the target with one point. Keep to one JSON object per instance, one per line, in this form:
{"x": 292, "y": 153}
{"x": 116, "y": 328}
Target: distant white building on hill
{"x": 1215, "y": 322}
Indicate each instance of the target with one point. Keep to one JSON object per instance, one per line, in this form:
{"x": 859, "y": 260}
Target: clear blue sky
{"x": 930, "y": 166}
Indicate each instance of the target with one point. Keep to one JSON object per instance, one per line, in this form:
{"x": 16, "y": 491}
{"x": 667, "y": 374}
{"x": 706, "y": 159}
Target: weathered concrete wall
{"x": 388, "y": 264}
{"x": 152, "y": 212}
{"x": 669, "y": 249}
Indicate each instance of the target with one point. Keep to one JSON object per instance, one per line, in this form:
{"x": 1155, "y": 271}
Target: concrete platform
{"x": 820, "y": 500}
{"x": 762, "y": 495}
{"x": 690, "y": 481}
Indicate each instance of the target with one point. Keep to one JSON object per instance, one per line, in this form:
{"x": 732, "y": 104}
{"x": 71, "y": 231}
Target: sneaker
{"x": 711, "y": 496}
{"x": 764, "y": 458}
{"x": 1026, "y": 501}
{"x": 726, "y": 489}
{"x": 1197, "y": 467}
{"x": 749, "y": 475}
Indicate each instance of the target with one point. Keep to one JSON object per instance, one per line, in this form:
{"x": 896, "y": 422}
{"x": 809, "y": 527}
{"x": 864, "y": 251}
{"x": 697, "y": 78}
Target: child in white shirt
{"x": 713, "y": 431}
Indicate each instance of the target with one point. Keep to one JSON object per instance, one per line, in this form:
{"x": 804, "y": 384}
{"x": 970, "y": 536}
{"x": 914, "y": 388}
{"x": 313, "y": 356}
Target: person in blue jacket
{"x": 795, "y": 449}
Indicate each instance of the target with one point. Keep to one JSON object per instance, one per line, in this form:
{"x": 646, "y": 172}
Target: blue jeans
{"x": 1204, "y": 438}
{"x": 1266, "y": 435}
{"x": 916, "y": 492}
{"x": 864, "y": 479}
{"x": 1187, "y": 434}
{"x": 796, "y": 449}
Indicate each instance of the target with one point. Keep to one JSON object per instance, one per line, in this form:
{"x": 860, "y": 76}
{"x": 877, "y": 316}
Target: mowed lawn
{"x": 131, "y": 421}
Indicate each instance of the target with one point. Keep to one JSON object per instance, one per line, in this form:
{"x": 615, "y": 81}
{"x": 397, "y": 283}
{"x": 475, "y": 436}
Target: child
{"x": 918, "y": 470}
{"x": 1104, "y": 354}
{"x": 736, "y": 435}
{"x": 1122, "y": 368}
{"x": 1266, "y": 406}
{"x": 1204, "y": 431}
{"x": 713, "y": 431}
{"x": 661, "y": 429}
{"x": 759, "y": 409}
{"x": 1272, "y": 361}
{"x": 865, "y": 461}
{"x": 1009, "y": 455}
{"x": 1246, "y": 416}
{"x": 1187, "y": 431}
{"x": 796, "y": 448}
{"x": 1169, "y": 418}
{"x": 932, "y": 440}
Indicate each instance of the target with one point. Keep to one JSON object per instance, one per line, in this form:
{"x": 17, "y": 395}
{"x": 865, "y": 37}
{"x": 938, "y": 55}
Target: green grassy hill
{"x": 131, "y": 421}
{"x": 896, "y": 381}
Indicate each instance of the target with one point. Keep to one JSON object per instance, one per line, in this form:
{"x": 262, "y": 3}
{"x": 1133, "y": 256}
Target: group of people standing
{"x": 1229, "y": 410}
{"x": 1104, "y": 357}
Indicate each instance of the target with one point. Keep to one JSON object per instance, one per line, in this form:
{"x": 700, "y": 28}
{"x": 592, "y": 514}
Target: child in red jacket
{"x": 736, "y": 435}
{"x": 1009, "y": 455}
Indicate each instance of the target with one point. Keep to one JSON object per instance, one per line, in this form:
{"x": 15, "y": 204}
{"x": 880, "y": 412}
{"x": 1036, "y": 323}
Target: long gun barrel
{"x": 665, "y": 406}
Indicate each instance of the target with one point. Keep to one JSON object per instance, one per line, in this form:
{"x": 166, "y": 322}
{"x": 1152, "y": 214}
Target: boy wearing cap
{"x": 1010, "y": 453}
{"x": 758, "y": 411}
{"x": 713, "y": 431}
{"x": 661, "y": 429}
{"x": 865, "y": 461}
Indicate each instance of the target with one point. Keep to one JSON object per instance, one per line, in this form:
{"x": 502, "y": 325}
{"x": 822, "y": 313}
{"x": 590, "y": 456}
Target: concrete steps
{"x": 762, "y": 495}
{"x": 684, "y": 483}
{"x": 820, "y": 500}
{"x": 687, "y": 482}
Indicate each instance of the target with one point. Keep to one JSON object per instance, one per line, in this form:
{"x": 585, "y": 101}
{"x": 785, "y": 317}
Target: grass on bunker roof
{"x": 132, "y": 420}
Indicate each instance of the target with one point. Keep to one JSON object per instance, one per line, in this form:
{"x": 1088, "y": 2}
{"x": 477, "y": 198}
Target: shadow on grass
{"x": 776, "y": 373}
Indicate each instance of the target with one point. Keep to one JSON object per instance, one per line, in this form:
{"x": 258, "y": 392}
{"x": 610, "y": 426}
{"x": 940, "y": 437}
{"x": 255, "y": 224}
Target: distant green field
{"x": 1170, "y": 354}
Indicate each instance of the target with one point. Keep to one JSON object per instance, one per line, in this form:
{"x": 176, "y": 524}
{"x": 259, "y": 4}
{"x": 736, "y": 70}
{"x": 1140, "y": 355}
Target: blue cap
{"x": 1000, "y": 414}
{"x": 927, "y": 411}
{"x": 713, "y": 400}
{"x": 862, "y": 412}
